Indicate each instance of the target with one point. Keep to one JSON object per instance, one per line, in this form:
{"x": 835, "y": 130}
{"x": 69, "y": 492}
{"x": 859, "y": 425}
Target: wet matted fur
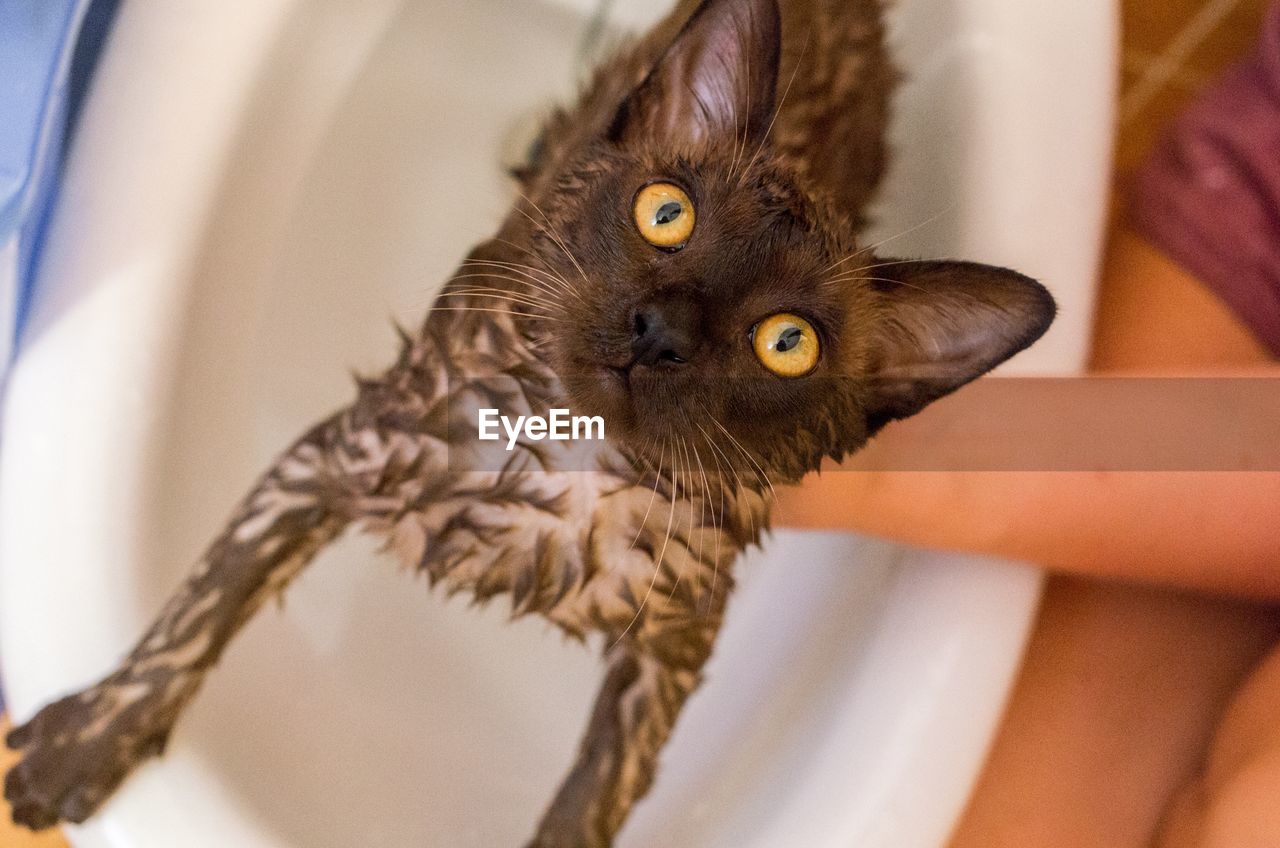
{"x": 772, "y": 121}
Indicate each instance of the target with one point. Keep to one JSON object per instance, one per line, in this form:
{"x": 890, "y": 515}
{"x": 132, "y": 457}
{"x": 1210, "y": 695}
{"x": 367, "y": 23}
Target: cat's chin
{"x": 635, "y": 403}
{"x": 604, "y": 390}
{"x": 618, "y": 395}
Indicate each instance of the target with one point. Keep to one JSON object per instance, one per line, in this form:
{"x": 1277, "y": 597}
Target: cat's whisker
{"x": 950, "y": 207}
{"x": 718, "y": 524}
{"x": 543, "y": 278}
{"x": 902, "y": 283}
{"x": 876, "y": 265}
{"x": 702, "y": 525}
{"x": 688, "y": 467}
{"x": 522, "y": 290}
{"x": 473, "y": 289}
{"x": 740, "y": 144}
{"x": 523, "y": 249}
{"x": 536, "y": 276}
{"x": 498, "y": 311}
{"x": 760, "y": 471}
{"x": 778, "y": 109}
{"x": 515, "y": 301}
{"x": 558, "y": 243}
{"x": 705, "y": 498}
{"x": 540, "y": 279}
{"x": 873, "y": 247}
{"x": 737, "y": 478}
{"x": 854, "y": 273}
{"x": 537, "y": 309}
{"x": 492, "y": 275}
{"x": 504, "y": 294}
{"x": 520, "y": 247}
{"x": 739, "y": 488}
{"x": 550, "y": 293}
{"x": 641, "y": 454}
{"x": 744, "y": 452}
{"x": 658, "y": 560}
{"x": 529, "y": 298}
{"x": 547, "y": 229}
{"x": 657, "y": 478}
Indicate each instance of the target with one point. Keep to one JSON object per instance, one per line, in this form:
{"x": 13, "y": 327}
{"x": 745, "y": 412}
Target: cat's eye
{"x": 786, "y": 344}
{"x": 663, "y": 215}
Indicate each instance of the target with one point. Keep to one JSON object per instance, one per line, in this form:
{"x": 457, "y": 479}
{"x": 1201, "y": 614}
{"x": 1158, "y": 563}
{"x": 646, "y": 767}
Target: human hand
{"x": 1145, "y": 714}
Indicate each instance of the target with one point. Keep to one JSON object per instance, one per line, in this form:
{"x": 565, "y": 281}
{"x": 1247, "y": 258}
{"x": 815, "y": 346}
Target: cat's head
{"x": 718, "y": 303}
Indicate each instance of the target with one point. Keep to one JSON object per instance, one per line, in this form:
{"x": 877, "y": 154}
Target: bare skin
{"x": 1144, "y": 715}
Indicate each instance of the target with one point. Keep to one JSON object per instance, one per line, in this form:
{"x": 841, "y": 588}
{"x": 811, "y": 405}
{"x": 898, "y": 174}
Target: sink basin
{"x": 257, "y": 188}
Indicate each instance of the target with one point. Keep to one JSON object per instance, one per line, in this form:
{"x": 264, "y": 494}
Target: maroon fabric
{"x": 1209, "y": 196}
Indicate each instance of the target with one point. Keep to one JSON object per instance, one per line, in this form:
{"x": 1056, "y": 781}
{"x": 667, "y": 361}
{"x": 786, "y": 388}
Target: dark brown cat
{"x": 684, "y": 264}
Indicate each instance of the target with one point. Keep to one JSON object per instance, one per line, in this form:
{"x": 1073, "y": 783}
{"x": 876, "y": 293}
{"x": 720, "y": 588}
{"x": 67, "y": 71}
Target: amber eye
{"x": 664, "y": 215}
{"x": 786, "y": 344}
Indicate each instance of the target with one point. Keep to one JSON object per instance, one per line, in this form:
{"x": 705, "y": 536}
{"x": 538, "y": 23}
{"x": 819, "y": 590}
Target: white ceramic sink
{"x": 258, "y": 187}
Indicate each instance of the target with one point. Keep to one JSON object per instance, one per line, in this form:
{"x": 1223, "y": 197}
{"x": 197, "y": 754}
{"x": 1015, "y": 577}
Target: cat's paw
{"x": 75, "y": 752}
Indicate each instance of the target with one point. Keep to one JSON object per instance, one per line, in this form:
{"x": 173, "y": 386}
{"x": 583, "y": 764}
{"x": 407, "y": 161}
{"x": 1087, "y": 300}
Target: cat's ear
{"x": 716, "y": 81}
{"x": 942, "y": 324}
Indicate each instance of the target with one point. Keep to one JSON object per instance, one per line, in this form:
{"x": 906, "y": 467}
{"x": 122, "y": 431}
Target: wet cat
{"x": 684, "y": 265}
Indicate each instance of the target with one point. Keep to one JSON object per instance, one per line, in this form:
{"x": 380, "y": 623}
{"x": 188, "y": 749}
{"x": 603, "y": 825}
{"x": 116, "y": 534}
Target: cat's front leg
{"x": 77, "y": 750}
{"x": 646, "y": 685}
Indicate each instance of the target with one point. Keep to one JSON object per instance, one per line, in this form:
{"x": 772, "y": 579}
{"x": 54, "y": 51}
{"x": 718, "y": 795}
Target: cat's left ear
{"x": 717, "y": 80}
{"x": 941, "y": 324}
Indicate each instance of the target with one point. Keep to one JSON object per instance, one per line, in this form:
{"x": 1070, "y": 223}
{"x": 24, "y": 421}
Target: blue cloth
{"x": 47, "y": 52}
{"x": 48, "y": 49}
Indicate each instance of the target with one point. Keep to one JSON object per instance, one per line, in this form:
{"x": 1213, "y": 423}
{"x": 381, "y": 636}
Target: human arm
{"x": 1162, "y": 527}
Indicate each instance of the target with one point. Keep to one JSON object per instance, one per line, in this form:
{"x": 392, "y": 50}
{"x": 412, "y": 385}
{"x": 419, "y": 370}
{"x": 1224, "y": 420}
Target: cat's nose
{"x": 665, "y": 333}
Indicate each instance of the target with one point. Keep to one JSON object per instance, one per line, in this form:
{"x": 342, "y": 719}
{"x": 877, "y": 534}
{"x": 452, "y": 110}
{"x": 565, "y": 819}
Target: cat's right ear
{"x": 716, "y": 81}
{"x": 940, "y": 325}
